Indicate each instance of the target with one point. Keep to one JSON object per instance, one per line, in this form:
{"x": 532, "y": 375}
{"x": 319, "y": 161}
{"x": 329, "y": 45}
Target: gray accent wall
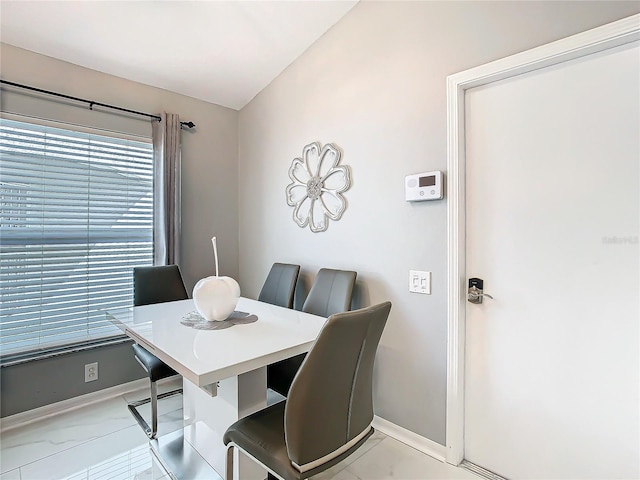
{"x": 375, "y": 85}
{"x": 209, "y": 198}
{"x": 35, "y": 384}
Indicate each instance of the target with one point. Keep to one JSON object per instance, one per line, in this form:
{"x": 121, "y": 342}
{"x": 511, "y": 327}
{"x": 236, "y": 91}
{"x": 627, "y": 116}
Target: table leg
{"x": 207, "y": 418}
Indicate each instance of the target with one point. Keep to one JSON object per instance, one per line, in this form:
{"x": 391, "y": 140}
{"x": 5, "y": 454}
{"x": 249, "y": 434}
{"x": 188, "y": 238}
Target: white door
{"x": 552, "y": 221}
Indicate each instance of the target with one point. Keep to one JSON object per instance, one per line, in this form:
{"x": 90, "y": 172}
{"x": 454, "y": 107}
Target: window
{"x": 76, "y": 212}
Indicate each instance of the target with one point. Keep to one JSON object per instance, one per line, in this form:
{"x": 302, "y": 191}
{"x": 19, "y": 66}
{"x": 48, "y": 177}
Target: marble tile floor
{"x": 102, "y": 441}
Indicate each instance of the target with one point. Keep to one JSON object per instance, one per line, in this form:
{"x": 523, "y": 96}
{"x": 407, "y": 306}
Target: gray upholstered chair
{"x": 329, "y": 410}
{"x": 154, "y": 285}
{"x": 279, "y": 289}
{"x": 331, "y": 292}
{"x": 280, "y": 285}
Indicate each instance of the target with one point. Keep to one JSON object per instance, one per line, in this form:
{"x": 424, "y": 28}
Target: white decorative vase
{"x": 216, "y": 297}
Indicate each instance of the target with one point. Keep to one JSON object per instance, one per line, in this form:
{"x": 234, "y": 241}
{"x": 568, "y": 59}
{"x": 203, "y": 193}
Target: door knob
{"x": 475, "y": 292}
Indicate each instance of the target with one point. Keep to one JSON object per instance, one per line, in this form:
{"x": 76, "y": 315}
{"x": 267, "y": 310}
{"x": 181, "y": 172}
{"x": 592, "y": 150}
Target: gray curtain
{"x": 166, "y": 191}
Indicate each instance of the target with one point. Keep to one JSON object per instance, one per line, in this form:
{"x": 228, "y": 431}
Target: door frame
{"x": 598, "y": 39}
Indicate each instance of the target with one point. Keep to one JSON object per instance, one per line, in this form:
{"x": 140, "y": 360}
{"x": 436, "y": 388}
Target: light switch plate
{"x": 420, "y": 282}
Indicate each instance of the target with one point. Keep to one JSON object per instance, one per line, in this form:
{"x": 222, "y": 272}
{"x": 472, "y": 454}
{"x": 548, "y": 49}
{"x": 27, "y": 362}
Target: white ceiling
{"x": 224, "y": 52}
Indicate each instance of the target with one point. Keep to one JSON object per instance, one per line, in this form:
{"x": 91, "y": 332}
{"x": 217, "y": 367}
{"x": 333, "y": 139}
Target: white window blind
{"x": 77, "y": 215}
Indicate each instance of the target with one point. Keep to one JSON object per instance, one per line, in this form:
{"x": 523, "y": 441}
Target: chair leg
{"x": 152, "y": 430}
{"x": 229, "y": 463}
{"x": 154, "y": 410}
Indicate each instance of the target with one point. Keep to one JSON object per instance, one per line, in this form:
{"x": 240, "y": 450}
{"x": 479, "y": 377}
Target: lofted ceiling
{"x": 224, "y": 52}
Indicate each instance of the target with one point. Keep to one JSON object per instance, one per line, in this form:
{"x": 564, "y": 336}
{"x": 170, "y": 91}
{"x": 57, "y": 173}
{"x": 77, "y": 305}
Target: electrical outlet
{"x": 91, "y": 372}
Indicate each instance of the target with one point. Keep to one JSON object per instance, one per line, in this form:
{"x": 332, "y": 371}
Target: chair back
{"x": 157, "y": 284}
{"x": 330, "y": 402}
{"x": 280, "y": 285}
{"x": 331, "y": 292}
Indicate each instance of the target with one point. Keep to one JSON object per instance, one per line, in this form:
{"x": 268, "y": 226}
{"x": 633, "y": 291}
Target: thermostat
{"x": 423, "y": 186}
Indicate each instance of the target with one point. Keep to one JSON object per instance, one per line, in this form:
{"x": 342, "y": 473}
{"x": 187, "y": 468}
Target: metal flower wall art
{"x": 317, "y": 187}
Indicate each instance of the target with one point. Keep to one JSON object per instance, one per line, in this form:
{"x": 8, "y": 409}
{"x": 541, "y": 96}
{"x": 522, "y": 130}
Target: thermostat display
{"x": 428, "y": 181}
{"x": 423, "y": 186}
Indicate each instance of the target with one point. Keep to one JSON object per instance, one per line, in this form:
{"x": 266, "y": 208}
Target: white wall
{"x": 375, "y": 85}
{"x": 209, "y": 153}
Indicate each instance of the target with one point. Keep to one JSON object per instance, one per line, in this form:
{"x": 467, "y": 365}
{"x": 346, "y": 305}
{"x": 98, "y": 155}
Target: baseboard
{"x": 22, "y": 418}
{"x": 423, "y": 444}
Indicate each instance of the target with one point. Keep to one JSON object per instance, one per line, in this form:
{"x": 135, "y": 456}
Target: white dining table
{"x": 223, "y": 371}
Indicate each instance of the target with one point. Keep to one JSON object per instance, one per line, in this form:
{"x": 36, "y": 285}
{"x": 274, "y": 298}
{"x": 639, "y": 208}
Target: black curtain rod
{"x": 90, "y": 102}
